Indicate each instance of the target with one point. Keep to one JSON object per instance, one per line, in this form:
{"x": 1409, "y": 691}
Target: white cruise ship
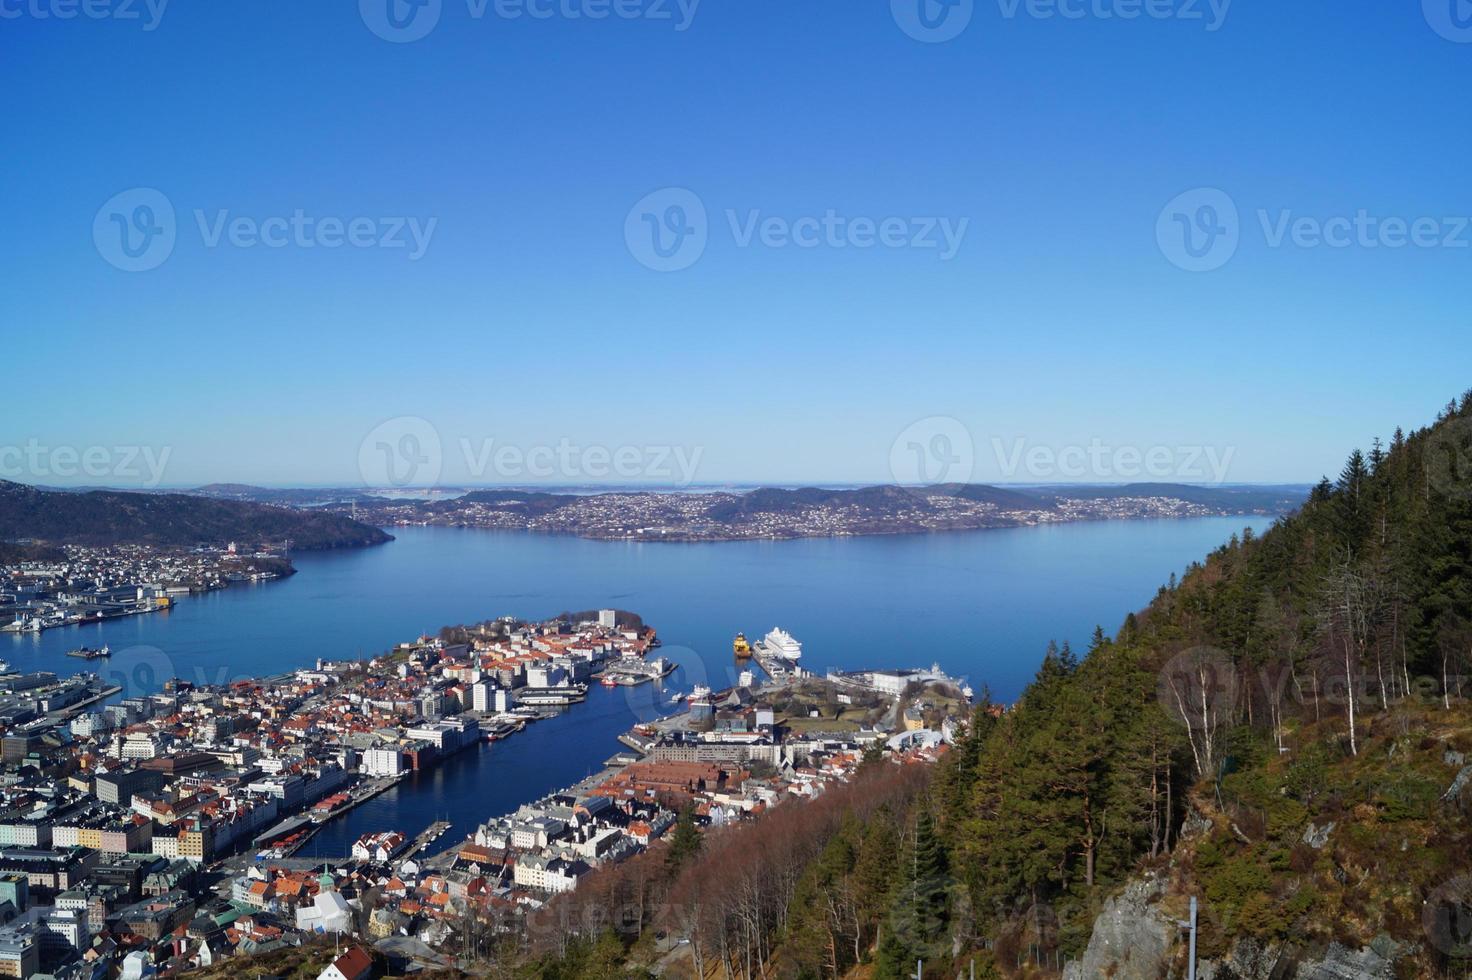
{"x": 779, "y": 643}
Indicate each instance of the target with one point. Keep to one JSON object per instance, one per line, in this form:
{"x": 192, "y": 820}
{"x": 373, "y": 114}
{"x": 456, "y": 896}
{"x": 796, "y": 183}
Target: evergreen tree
{"x": 684, "y": 839}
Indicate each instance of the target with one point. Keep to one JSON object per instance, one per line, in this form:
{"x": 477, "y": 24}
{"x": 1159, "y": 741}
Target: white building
{"x": 63, "y": 928}
{"x": 608, "y": 618}
{"x": 548, "y": 874}
{"x": 383, "y": 760}
{"x": 329, "y": 912}
{"x": 545, "y": 676}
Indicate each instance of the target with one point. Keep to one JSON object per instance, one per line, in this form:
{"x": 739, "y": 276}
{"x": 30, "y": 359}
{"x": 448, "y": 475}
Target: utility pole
{"x": 1191, "y": 956}
{"x": 919, "y": 970}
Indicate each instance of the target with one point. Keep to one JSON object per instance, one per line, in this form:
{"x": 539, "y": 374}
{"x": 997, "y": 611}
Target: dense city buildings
{"x": 164, "y": 826}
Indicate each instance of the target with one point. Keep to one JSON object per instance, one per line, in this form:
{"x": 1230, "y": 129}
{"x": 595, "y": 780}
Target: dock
{"x": 426, "y": 837}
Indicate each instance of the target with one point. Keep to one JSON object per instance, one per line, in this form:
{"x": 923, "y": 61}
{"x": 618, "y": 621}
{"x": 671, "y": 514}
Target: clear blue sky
{"x": 1059, "y": 322}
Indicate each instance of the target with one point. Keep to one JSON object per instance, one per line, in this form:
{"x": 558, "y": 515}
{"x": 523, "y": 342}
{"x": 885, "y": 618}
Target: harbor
{"x": 87, "y": 586}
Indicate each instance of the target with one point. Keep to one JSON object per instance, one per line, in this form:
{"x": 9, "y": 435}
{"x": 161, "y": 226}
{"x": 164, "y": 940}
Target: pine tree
{"x": 684, "y": 840}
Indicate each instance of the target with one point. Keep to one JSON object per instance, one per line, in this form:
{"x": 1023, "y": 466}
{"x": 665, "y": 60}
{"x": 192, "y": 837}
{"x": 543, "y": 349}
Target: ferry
{"x": 503, "y": 730}
{"x": 740, "y": 647}
{"x": 553, "y": 695}
{"x": 88, "y": 653}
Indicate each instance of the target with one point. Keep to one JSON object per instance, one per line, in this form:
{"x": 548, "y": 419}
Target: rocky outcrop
{"x": 1340, "y": 963}
{"x": 1454, "y": 791}
{"x": 1317, "y": 837}
{"x": 1132, "y": 940}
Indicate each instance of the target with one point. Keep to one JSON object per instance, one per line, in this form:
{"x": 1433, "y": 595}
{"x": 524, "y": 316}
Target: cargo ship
{"x": 88, "y": 653}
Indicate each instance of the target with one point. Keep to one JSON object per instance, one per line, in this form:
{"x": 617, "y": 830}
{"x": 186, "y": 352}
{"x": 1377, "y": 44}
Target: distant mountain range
{"x": 774, "y": 512}
{"x": 314, "y": 518}
{"x": 110, "y": 517}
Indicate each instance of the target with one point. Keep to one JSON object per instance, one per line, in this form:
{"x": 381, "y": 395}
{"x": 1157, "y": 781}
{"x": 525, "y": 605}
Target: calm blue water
{"x": 983, "y": 604}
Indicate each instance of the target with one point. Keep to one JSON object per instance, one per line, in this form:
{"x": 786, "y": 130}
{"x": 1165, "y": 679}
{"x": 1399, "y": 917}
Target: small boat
{"x": 741, "y": 647}
{"x": 88, "y": 653}
{"x": 4, "y": 666}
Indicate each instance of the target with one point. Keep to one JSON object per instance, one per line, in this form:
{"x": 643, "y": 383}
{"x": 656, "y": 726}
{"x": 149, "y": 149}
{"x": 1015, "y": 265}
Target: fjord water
{"x": 983, "y": 604}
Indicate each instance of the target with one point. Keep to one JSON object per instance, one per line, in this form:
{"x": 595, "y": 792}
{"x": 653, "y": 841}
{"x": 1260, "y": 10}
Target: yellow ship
{"x": 740, "y": 647}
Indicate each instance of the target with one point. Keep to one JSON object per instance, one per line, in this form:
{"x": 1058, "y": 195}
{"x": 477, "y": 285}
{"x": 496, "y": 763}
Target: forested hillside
{"x": 1280, "y": 734}
{"x": 110, "y": 517}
